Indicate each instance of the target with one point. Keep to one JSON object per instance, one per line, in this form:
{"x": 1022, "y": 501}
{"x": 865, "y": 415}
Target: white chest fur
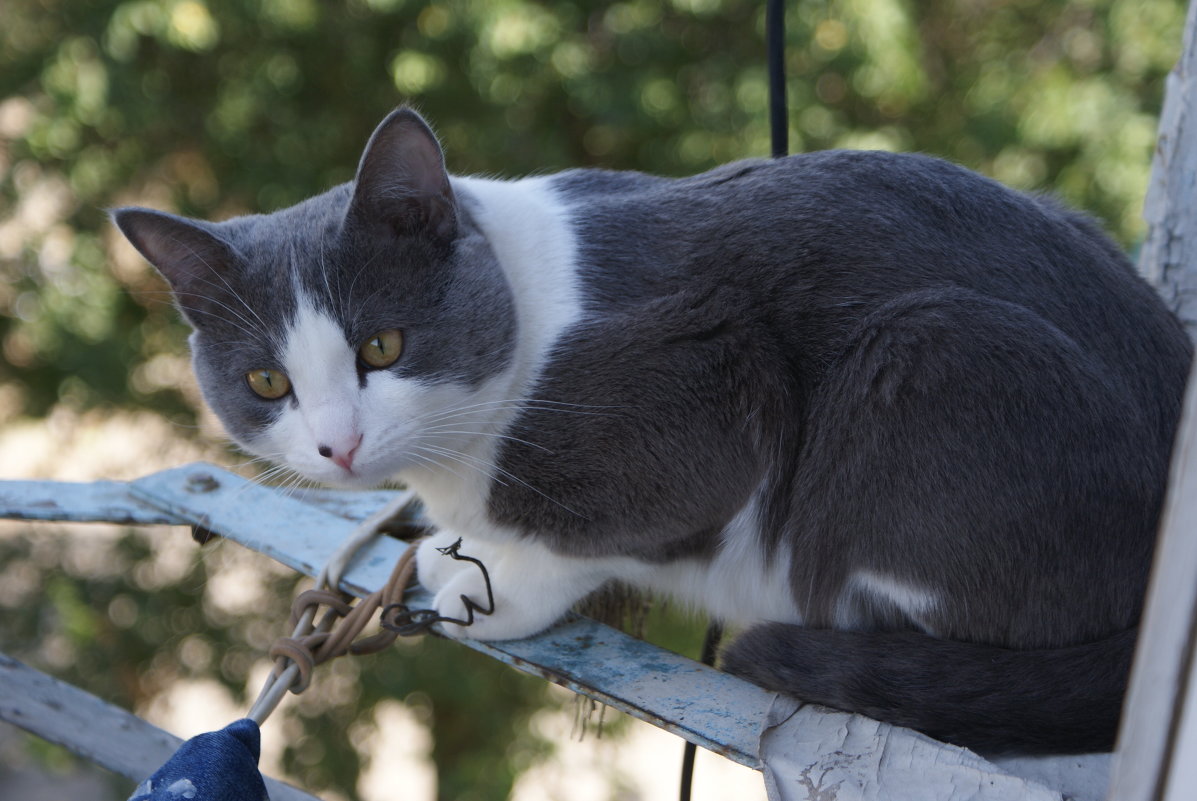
{"x": 743, "y": 584}
{"x": 529, "y": 230}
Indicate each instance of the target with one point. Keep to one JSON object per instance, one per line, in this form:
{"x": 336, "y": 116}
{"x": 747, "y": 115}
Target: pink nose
{"x": 342, "y": 457}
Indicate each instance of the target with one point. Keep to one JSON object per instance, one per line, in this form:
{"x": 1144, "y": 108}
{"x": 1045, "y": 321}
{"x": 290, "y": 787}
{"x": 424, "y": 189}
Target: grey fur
{"x": 365, "y": 259}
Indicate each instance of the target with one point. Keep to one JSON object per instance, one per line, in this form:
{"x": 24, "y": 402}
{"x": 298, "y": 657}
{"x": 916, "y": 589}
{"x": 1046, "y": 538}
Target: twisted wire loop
{"x": 404, "y": 622}
{"x": 342, "y": 622}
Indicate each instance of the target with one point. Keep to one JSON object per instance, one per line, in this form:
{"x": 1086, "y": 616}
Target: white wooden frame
{"x": 1157, "y": 745}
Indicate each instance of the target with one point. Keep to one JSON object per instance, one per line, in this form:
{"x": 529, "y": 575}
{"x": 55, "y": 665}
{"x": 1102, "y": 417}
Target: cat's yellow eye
{"x": 269, "y": 384}
{"x": 382, "y": 349}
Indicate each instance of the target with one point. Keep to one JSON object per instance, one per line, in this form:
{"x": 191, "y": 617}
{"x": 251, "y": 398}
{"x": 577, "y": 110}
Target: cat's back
{"x": 879, "y": 207}
{"x": 874, "y": 210}
{"x": 821, "y": 239}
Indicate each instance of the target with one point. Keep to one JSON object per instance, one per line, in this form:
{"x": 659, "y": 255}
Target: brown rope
{"x": 342, "y": 638}
{"x": 337, "y": 632}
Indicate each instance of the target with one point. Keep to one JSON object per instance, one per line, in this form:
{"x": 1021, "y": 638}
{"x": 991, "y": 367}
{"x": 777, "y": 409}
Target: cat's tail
{"x": 993, "y": 700}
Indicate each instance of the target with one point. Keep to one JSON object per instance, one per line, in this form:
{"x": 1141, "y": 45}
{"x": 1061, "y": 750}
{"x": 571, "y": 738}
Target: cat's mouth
{"x": 352, "y": 479}
{"x": 354, "y": 474}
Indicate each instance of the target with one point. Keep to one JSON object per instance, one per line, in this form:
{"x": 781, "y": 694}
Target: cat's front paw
{"x": 435, "y": 568}
{"x": 532, "y": 589}
{"x": 512, "y": 618}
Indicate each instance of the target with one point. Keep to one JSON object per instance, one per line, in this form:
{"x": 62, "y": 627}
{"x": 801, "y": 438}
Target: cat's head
{"x": 333, "y": 336}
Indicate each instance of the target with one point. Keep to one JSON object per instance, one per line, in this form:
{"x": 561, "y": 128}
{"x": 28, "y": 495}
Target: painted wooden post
{"x": 1157, "y": 754}
{"x": 1164, "y": 673}
{"x": 1169, "y": 255}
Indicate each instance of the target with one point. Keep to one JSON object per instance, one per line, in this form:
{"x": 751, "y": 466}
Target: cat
{"x": 905, "y": 427}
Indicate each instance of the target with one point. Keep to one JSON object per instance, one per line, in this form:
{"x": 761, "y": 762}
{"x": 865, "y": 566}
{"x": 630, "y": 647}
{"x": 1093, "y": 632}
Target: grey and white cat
{"x": 908, "y": 428}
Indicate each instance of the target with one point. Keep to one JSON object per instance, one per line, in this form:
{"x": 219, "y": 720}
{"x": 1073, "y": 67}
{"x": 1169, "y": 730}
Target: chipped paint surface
{"x": 98, "y": 501}
{"x": 703, "y": 705}
{"x": 815, "y": 754}
{"x": 696, "y": 702}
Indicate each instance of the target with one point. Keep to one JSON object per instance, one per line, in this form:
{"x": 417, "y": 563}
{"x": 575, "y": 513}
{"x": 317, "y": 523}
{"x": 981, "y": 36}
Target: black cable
{"x": 710, "y": 644}
{"x": 775, "y": 45}
{"x": 779, "y": 134}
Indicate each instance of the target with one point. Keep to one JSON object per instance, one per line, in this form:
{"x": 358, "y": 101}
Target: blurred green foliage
{"x": 217, "y": 107}
{"x": 226, "y": 106}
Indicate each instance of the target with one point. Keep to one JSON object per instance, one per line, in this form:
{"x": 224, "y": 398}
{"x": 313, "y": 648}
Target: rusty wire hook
{"x": 411, "y": 622}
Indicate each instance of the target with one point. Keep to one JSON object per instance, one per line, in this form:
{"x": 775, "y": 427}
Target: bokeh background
{"x": 218, "y": 107}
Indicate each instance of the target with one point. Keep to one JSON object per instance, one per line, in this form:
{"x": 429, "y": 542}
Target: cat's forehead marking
{"x": 316, "y": 355}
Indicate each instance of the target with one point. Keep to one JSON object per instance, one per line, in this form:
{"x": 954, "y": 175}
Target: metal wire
{"x": 775, "y": 45}
{"x": 779, "y": 134}
{"x": 710, "y": 644}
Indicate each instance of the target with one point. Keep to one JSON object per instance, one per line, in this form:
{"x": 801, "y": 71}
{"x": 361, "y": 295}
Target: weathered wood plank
{"x": 1079, "y": 777}
{"x": 1159, "y": 725}
{"x": 814, "y": 753}
{"x": 98, "y": 501}
{"x": 1168, "y": 634}
{"x": 111, "y": 502}
{"x": 1168, "y": 258}
{"x": 351, "y": 505}
{"x": 698, "y": 703}
{"x": 297, "y": 534}
{"x": 94, "y": 729}
{"x": 705, "y": 706}
{"x": 1181, "y": 781}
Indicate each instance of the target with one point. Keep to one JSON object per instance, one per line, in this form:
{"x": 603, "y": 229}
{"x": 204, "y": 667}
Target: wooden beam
{"x": 94, "y": 729}
{"x": 1161, "y": 678}
{"x": 1158, "y": 737}
{"x": 67, "y": 501}
{"x": 814, "y": 753}
{"x": 111, "y": 502}
{"x": 701, "y": 704}
{"x": 1168, "y": 258}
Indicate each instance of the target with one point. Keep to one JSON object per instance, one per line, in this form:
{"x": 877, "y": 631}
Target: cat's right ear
{"x": 192, "y": 259}
{"x": 401, "y": 182}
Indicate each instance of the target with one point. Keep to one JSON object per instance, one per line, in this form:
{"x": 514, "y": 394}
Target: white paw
{"x": 532, "y": 589}
{"x": 434, "y": 568}
{"x": 516, "y": 615}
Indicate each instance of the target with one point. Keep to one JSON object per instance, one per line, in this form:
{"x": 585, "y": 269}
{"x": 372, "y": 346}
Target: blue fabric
{"x": 214, "y": 766}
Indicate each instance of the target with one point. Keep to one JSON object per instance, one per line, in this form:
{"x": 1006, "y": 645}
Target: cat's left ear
{"x": 190, "y": 255}
{"x": 401, "y": 180}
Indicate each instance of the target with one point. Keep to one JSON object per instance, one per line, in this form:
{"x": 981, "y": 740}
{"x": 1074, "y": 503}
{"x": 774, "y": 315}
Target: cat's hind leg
{"x": 967, "y": 449}
{"x": 971, "y": 518}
